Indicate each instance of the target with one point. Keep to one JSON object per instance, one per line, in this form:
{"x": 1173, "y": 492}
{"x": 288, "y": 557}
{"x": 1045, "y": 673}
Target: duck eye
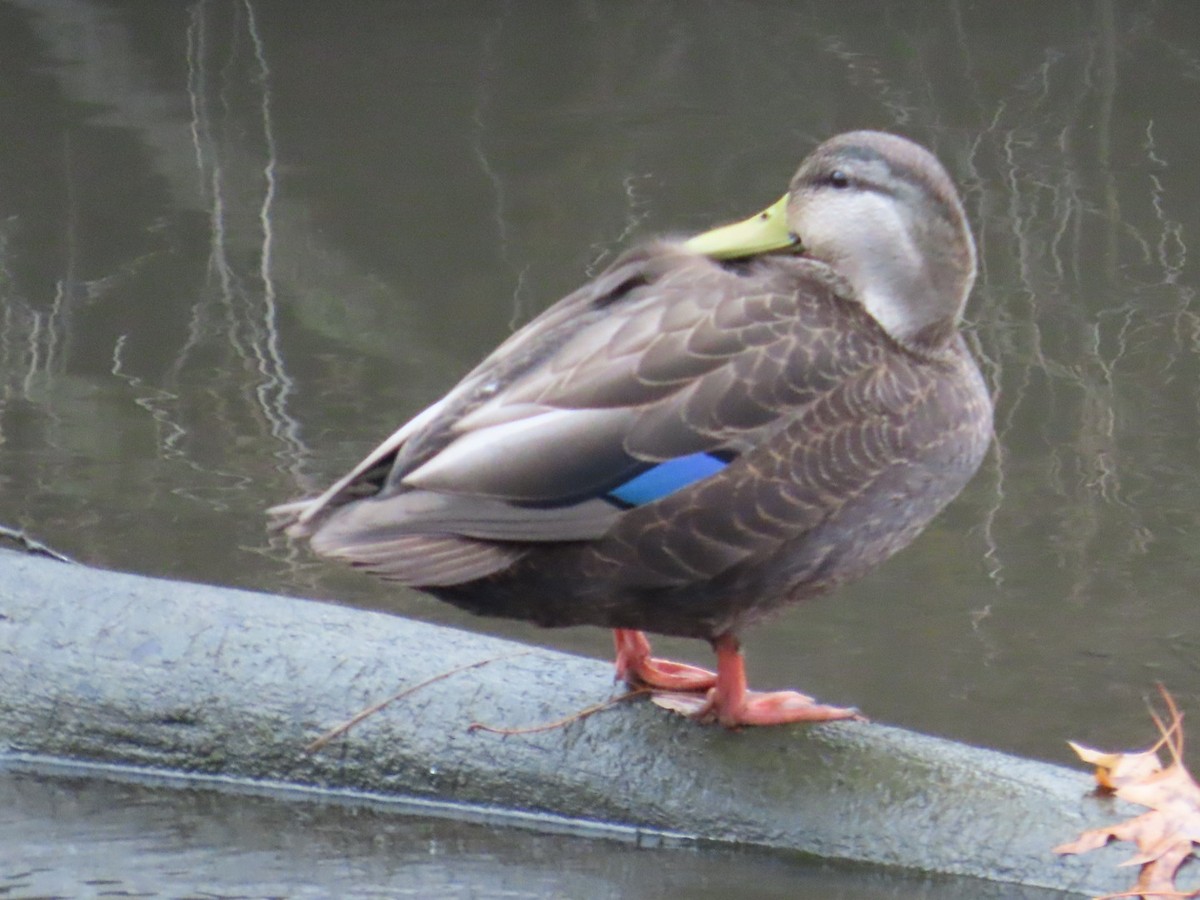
{"x": 839, "y": 179}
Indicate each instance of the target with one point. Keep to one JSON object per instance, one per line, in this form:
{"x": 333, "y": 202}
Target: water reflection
{"x": 126, "y": 839}
{"x": 240, "y": 243}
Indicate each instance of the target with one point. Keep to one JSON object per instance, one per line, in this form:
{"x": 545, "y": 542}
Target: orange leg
{"x": 731, "y": 704}
{"x": 636, "y": 666}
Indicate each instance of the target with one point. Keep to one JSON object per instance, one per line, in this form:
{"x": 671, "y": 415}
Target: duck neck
{"x": 913, "y": 281}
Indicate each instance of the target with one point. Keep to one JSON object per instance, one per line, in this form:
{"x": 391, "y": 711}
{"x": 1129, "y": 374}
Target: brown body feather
{"x": 844, "y": 444}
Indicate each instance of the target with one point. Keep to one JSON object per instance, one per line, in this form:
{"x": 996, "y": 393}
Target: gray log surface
{"x": 122, "y": 669}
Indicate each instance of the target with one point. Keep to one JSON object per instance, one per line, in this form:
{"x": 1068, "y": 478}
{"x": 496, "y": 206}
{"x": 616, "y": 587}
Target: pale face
{"x": 883, "y": 213}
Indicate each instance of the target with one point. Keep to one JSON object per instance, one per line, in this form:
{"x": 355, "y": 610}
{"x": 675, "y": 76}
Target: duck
{"x": 714, "y": 428}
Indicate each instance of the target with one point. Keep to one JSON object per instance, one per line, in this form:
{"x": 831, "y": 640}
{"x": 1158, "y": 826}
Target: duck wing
{"x": 653, "y": 377}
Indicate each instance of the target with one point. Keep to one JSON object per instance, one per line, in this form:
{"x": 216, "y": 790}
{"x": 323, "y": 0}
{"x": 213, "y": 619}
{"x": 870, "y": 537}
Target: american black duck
{"x": 711, "y": 429}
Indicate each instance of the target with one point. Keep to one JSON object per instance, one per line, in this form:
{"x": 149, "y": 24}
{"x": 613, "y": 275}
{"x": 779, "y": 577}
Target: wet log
{"x": 122, "y": 669}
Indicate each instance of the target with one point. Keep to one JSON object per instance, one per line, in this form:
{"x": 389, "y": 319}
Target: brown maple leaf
{"x": 1165, "y": 836}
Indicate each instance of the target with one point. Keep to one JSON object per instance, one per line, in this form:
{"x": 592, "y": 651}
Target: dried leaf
{"x": 1166, "y": 836}
{"x": 1115, "y": 769}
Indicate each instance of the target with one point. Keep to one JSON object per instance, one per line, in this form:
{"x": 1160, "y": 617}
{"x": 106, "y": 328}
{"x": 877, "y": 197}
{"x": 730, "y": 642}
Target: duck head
{"x": 882, "y": 213}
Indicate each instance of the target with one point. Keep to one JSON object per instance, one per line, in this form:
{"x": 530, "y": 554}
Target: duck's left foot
{"x": 757, "y": 708}
{"x": 732, "y": 705}
{"x": 778, "y": 708}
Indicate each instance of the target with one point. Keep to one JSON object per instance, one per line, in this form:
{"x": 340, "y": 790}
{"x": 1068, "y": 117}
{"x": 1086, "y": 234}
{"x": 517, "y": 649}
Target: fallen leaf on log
{"x": 1165, "y": 836}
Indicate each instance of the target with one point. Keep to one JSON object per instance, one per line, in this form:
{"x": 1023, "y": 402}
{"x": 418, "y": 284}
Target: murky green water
{"x": 71, "y": 836}
{"x": 241, "y": 241}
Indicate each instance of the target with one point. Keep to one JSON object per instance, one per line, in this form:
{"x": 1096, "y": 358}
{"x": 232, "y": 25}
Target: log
{"x": 119, "y": 669}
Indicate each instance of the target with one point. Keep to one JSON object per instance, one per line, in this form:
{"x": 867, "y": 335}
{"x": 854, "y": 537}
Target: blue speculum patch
{"x": 667, "y": 477}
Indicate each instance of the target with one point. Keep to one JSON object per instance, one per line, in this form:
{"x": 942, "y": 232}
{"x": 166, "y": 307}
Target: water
{"x": 69, "y": 836}
{"x": 241, "y": 242}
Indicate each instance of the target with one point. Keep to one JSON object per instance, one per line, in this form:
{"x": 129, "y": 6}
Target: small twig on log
{"x": 31, "y": 545}
{"x": 376, "y": 707}
{"x": 565, "y": 721}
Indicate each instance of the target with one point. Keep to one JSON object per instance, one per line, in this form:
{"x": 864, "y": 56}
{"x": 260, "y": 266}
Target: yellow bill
{"x": 762, "y": 233}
